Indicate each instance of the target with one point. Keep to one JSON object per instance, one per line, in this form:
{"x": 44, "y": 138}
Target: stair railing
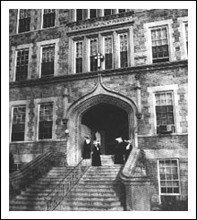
{"x": 64, "y": 186}
{"x": 33, "y": 170}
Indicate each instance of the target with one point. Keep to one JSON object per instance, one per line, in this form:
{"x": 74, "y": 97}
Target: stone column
{"x": 138, "y": 195}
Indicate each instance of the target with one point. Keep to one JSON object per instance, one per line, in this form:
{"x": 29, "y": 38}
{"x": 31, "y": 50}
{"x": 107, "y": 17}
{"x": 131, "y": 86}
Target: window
{"x": 79, "y": 55}
{"x": 159, "y": 39}
{"x": 24, "y": 20}
{"x": 169, "y": 177}
{"x": 123, "y": 39}
{"x": 121, "y": 10}
{"x": 108, "y": 52}
{"x": 164, "y": 112}
{"x": 186, "y": 35}
{"x": 22, "y": 64}
{"x": 93, "y": 53}
{"x": 48, "y": 18}
{"x": 48, "y": 54}
{"x": 93, "y": 13}
{"x": 45, "y": 120}
{"x": 107, "y": 12}
{"x": 79, "y": 16}
{"x": 18, "y": 123}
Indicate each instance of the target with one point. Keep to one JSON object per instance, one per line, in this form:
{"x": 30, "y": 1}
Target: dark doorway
{"x": 110, "y": 121}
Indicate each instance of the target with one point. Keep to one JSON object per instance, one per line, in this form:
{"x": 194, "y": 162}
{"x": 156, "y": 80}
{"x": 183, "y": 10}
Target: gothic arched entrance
{"x": 82, "y": 119}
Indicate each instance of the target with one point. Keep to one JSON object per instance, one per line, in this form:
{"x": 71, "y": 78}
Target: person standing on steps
{"x": 119, "y": 151}
{"x": 86, "y": 150}
{"x": 128, "y": 149}
{"x": 96, "y": 159}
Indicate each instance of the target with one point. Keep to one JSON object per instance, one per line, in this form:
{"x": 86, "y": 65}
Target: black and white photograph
{"x": 98, "y": 108}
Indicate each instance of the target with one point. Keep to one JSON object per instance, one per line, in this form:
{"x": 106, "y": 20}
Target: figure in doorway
{"x": 119, "y": 151}
{"x": 128, "y": 149}
{"x": 96, "y": 159}
{"x": 86, "y": 148}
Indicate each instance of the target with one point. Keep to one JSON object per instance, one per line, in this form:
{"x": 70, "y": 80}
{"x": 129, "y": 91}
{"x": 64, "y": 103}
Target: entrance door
{"x": 108, "y": 122}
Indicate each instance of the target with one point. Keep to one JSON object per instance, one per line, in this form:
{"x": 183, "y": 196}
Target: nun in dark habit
{"x": 86, "y": 148}
{"x": 119, "y": 151}
{"x": 96, "y": 159}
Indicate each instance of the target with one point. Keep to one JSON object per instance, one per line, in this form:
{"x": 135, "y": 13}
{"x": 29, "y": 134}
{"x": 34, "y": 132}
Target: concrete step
{"x": 89, "y": 197}
{"x": 35, "y": 191}
{"x": 89, "y": 208}
{"x": 26, "y": 208}
{"x": 87, "y": 203}
{"x": 93, "y": 186}
{"x": 29, "y": 198}
{"x": 27, "y": 203}
{"x": 33, "y": 194}
{"x": 94, "y": 190}
{"x": 82, "y": 193}
{"x": 97, "y": 181}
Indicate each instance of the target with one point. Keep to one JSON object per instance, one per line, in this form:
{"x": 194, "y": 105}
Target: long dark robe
{"x": 119, "y": 152}
{"x": 96, "y": 159}
{"x": 86, "y": 150}
{"x": 127, "y": 152}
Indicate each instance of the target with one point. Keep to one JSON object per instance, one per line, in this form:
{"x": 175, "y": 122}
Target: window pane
{"x": 79, "y": 14}
{"x": 18, "y": 123}
{"x": 159, "y": 45}
{"x": 48, "y": 55}
{"x": 93, "y": 53}
{"x": 167, "y": 170}
{"x": 108, "y": 52}
{"x": 123, "y": 50}
{"x": 22, "y": 64}
{"x": 49, "y": 18}
{"x": 92, "y": 13}
{"x": 107, "y": 12}
{"x": 24, "y": 20}
{"x": 45, "y": 120}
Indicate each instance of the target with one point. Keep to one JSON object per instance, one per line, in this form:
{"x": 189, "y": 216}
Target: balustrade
{"x": 64, "y": 186}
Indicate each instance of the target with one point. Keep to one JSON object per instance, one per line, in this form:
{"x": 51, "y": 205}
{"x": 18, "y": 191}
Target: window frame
{"x": 39, "y": 55}
{"x": 42, "y": 47}
{"x": 15, "y": 75}
{"x": 89, "y": 13}
{"x": 75, "y": 57}
{"x": 156, "y": 28}
{"x": 13, "y": 107}
{"x": 148, "y": 43}
{"x": 42, "y": 20}
{"x": 13, "y": 104}
{"x": 89, "y": 52}
{"x": 103, "y": 50}
{"x": 38, "y": 121}
{"x": 81, "y": 15}
{"x": 159, "y": 180}
{"x": 118, "y": 50}
{"x": 108, "y": 14}
{"x": 173, "y": 105}
{"x": 18, "y": 22}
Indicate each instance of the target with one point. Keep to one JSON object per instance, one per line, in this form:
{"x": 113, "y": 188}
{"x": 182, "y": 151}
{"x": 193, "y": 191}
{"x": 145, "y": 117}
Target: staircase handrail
{"x": 31, "y": 171}
{"x": 64, "y": 186}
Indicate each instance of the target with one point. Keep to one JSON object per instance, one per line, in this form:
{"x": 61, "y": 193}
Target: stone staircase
{"x": 32, "y": 199}
{"x": 98, "y": 190}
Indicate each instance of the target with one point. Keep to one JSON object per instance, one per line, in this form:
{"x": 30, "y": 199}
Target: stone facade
{"x": 133, "y": 85}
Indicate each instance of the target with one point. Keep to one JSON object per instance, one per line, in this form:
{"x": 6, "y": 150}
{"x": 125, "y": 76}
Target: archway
{"x": 99, "y": 98}
{"x": 106, "y": 122}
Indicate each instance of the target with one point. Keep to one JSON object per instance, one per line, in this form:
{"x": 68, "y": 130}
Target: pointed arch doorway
{"x": 116, "y": 117}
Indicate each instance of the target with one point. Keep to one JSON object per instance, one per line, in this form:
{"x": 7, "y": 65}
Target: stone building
{"x": 117, "y": 72}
